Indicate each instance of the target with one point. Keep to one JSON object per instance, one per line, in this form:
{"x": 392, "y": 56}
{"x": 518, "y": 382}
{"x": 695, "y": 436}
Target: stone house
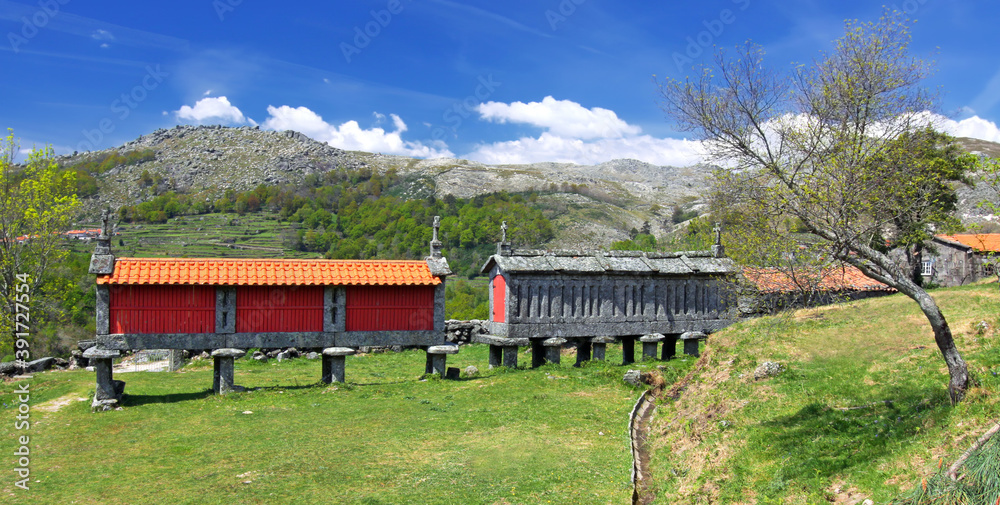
{"x": 955, "y": 260}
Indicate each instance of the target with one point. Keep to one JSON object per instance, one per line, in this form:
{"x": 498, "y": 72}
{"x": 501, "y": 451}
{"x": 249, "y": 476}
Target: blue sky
{"x": 514, "y": 81}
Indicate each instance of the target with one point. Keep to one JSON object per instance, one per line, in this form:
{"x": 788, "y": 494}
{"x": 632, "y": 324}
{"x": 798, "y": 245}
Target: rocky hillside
{"x": 590, "y": 204}
{"x": 593, "y": 203}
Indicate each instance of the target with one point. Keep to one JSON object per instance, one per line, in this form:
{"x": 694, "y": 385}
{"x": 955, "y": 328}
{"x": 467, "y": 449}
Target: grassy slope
{"x": 554, "y": 434}
{"x": 821, "y": 431}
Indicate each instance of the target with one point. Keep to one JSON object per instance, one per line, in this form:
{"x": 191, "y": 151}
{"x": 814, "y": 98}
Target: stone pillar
{"x": 583, "y": 347}
{"x": 553, "y": 348}
{"x": 510, "y": 356}
{"x": 436, "y": 359}
{"x": 691, "y": 340}
{"x": 600, "y": 345}
{"x": 537, "y": 353}
{"x": 628, "y": 350}
{"x": 495, "y": 355}
{"x": 108, "y": 393}
{"x": 334, "y": 359}
{"x": 649, "y": 343}
{"x": 669, "y": 347}
{"x": 222, "y": 380}
{"x": 175, "y": 360}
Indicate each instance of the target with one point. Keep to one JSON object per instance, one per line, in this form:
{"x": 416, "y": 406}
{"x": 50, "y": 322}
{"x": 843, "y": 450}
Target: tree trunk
{"x": 879, "y": 269}
{"x": 957, "y": 368}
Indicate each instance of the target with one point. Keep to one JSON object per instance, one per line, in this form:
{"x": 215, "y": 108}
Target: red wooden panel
{"x": 390, "y": 308}
{"x": 162, "y": 309}
{"x": 499, "y": 299}
{"x": 279, "y": 308}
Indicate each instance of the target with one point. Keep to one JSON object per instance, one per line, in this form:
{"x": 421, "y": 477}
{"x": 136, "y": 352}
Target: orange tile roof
{"x": 770, "y": 280}
{"x": 269, "y": 272}
{"x": 985, "y": 242}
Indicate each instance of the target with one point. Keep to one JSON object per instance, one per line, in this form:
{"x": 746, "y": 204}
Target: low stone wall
{"x": 463, "y": 332}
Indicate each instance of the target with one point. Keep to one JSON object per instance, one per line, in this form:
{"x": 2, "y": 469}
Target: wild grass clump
{"x": 977, "y": 482}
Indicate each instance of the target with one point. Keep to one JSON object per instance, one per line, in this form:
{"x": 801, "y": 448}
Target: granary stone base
{"x": 436, "y": 359}
{"x": 108, "y": 393}
{"x": 224, "y": 368}
{"x": 334, "y": 363}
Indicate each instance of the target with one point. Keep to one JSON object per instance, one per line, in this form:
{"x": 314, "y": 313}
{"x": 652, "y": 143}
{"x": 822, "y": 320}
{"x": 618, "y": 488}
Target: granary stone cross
{"x": 437, "y": 224}
{"x": 718, "y": 233}
{"x": 503, "y": 231}
{"x": 105, "y": 232}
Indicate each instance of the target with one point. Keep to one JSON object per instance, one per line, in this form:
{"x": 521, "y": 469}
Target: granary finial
{"x": 435, "y": 243}
{"x": 717, "y": 250}
{"x": 503, "y": 247}
{"x": 105, "y": 231}
{"x": 103, "y": 260}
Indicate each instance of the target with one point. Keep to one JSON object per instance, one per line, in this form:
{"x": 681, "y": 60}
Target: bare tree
{"x": 805, "y": 145}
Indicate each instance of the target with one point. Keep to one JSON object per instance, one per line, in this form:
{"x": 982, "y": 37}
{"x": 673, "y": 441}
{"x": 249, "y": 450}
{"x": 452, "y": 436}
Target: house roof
{"x": 613, "y": 262}
{"x": 847, "y": 278}
{"x": 269, "y": 272}
{"x": 983, "y": 242}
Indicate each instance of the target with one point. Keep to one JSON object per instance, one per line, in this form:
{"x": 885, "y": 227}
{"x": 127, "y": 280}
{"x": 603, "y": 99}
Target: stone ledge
{"x": 442, "y": 349}
{"x": 501, "y": 341}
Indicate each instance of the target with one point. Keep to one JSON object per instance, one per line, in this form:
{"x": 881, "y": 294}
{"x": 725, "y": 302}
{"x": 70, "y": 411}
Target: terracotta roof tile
{"x": 266, "y": 272}
{"x": 985, "y": 242}
{"x": 769, "y": 280}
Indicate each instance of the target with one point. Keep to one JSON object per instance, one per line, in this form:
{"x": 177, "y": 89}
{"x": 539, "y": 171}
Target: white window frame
{"x": 926, "y": 267}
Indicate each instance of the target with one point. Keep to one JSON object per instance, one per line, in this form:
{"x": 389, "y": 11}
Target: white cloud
{"x": 576, "y": 134}
{"x": 564, "y": 118}
{"x": 217, "y": 108}
{"x": 974, "y": 127}
{"x": 100, "y": 34}
{"x": 350, "y": 135}
{"x": 549, "y": 147}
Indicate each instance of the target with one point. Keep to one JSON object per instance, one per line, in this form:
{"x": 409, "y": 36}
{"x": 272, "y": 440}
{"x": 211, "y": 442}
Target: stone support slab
{"x": 436, "y": 359}
{"x": 691, "y": 340}
{"x": 553, "y": 349}
{"x": 583, "y": 351}
{"x": 224, "y": 370}
{"x": 628, "y": 350}
{"x": 669, "y": 347}
{"x": 108, "y": 392}
{"x": 334, "y": 363}
{"x": 510, "y": 356}
{"x": 649, "y": 343}
{"x": 537, "y": 353}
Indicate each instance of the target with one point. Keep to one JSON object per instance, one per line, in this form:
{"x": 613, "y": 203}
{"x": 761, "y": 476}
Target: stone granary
{"x": 233, "y": 304}
{"x": 595, "y": 298}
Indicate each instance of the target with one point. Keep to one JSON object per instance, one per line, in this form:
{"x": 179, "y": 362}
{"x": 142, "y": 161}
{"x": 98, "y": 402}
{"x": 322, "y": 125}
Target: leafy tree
{"x": 37, "y": 202}
{"x": 806, "y": 145}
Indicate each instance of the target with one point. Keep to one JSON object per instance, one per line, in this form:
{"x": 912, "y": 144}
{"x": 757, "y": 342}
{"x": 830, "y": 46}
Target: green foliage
{"x": 467, "y": 299}
{"x": 641, "y": 242}
{"x": 351, "y": 214}
{"x": 842, "y": 145}
{"x": 37, "y": 202}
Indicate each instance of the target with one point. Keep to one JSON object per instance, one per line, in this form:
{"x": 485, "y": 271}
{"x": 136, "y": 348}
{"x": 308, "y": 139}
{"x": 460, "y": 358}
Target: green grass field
{"x": 555, "y": 434}
{"x": 862, "y": 410}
